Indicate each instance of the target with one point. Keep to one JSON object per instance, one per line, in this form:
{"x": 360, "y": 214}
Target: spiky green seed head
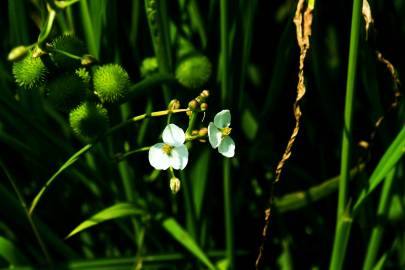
{"x": 194, "y": 71}
{"x": 69, "y": 44}
{"x": 66, "y": 91}
{"x": 89, "y": 120}
{"x": 83, "y": 74}
{"x": 111, "y": 83}
{"x": 149, "y": 66}
{"x": 29, "y": 72}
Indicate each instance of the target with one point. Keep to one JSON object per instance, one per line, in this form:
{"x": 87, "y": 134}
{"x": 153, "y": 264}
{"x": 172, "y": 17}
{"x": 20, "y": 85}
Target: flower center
{"x": 167, "y": 149}
{"x": 226, "y": 131}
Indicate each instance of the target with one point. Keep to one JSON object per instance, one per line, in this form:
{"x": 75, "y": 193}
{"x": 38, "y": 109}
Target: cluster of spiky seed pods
{"x": 74, "y": 84}
{"x": 70, "y": 85}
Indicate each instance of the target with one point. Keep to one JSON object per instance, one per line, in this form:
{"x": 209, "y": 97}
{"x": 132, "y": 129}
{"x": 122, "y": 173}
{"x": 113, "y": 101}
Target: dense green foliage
{"x": 90, "y": 86}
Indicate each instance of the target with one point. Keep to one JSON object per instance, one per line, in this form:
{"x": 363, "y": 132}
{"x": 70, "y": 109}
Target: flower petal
{"x": 173, "y": 135}
{"x": 214, "y": 135}
{"x": 179, "y": 157}
{"x": 157, "y": 158}
{"x": 222, "y": 119}
{"x": 227, "y": 147}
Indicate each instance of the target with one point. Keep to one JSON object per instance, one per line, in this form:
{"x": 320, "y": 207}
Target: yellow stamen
{"x": 167, "y": 149}
{"x": 226, "y": 131}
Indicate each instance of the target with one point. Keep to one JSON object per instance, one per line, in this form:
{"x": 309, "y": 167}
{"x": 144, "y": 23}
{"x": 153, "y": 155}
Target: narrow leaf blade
{"x": 113, "y": 212}
{"x": 178, "y": 233}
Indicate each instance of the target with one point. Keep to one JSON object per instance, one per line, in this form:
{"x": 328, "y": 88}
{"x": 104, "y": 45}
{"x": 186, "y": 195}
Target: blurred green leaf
{"x": 199, "y": 174}
{"x": 178, "y": 233}
{"x": 10, "y": 252}
{"x": 113, "y": 212}
{"x": 249, "y": 124}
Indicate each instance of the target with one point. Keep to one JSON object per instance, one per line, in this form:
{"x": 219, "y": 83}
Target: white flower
{"x": 218, "y": 134}
{"x": 172, "y": 152}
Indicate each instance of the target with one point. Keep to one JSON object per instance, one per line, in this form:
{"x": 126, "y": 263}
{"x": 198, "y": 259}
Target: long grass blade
{"x": 119, "y": 210}
{"x": 178, "y": 233}
{"x": 393, "y": 154}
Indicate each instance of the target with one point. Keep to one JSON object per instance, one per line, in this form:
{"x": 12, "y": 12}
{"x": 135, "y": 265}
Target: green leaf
{"x": 199, "y": 177}
{"x": 249, "y": 124}
{"x": 66, "y": 165}
{"x": 113, "y": 212}
{"x": 10, "y": 253}
{"x": 178, "y": 233}
{"x": 387, "y": 162}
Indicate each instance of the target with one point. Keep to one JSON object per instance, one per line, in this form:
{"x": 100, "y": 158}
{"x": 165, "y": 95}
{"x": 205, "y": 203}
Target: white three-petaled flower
{"x": 172, "y": 152}
{"x": 218, "y": 134}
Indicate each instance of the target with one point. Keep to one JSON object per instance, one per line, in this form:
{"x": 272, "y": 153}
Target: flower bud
{"x": 88, "y": 60}
{"x": 203, "y": 106}
{"x": 192, "y": 105}
{"x": 174, "y": 185}
{"x": 204, "y": 94}
{"x": 17, "y": 53}
{"x": 174, "y": 105}
{"x": 203, "y": 132}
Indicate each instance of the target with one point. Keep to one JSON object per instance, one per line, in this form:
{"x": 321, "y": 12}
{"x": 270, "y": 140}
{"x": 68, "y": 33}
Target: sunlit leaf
{"x": 113, "y": 212}
{"x": 178, "y": 233}
{"x": 389, "y": 159}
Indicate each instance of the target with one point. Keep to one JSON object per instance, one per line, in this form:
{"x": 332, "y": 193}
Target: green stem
{"x": 129, "y": 153}
{"x": 158, "y": 21}
{"x": 46, "y": 30}
{"x": 228, "y": 211}
{"x": 141, "y": 117}
{"x": 31, "y": 222}
{"x": 377, "y": 233}
{"x": 224, "y": 51}
{"x": 191, "y": 123}
{"x": 88, "y": 29}
{"x": 343, "y": 228}
{"x": 230, "y": 251}
{"x": 338, "y": 252}
{"x": 87, "y": 148}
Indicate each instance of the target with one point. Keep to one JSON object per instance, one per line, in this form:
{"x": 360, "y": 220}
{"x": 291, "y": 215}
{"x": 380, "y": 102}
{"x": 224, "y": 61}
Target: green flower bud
{"x": 175, "y": 184}
{"x": 17, "y": 53}
{"x": 89, "y": 120}
{"x": 149, "y": 66}
{"x": 29, "y": 72}
{"x": 111, "y": 83}
{"x": 203, "y": 106}
{"x": 194, "y": 71}
{"x": 193, "y": 104}
{"x": 88, "y": 60}
{"x": 174, "y": 104}
{"x": 66, "y": 91}
{"x": 71, "y": 45}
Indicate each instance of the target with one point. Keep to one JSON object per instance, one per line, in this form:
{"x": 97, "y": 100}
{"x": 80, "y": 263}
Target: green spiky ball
{"x": 149, "y": 66}
{"x": 66, "y": 91}
{"x": 70, "y": 44}
{"x": 89, "y": 120}
{"x": 29, "y": 72}
{"x": 111, "y": 83}
{"x": 194, "y": 71}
